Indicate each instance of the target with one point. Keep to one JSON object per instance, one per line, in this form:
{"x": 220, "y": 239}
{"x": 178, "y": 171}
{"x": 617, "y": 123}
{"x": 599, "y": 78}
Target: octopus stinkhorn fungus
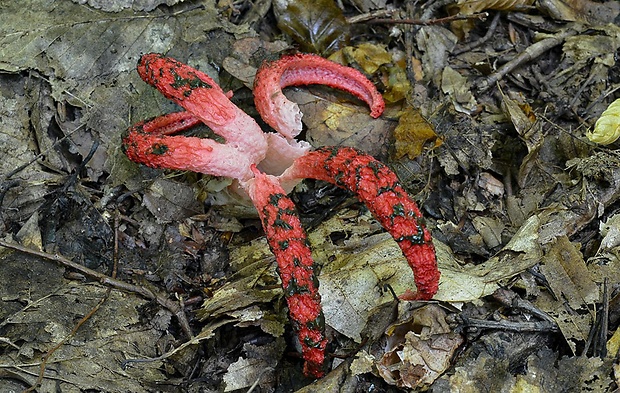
{"x": 267, "y": 165}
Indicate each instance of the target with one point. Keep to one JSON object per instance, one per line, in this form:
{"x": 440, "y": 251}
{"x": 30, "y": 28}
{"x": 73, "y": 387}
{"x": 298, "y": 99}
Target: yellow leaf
{"x": 398, "y": 85}
{"x": 607, "y": 127}
{"x": 412, "y": 132}
{"x": 368, "y": 56}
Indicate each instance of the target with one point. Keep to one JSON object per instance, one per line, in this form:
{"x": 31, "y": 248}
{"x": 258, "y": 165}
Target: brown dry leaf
{"x": 119, "y": 5}
{"x": 490, "y": 229}
{"x": 332, "y": 123}
{"x": 247, "y": 53}
{"x": 369, "y": 57}
{"x": 568, "y": 275}
{"x": 258, "y": 367}
{"x": 469, "y": 7}
{"x": 522, "y": 252}
{"x": 412, "y": 133}
{"x": 436, "y": 43}
{"x": 613, "y": 344}
{"x": 572, "y": 283}
{"x": 542, "y": 372}
{"x": 253, "y": 282}
{"x": 419, "y": 349}
{"x": 458, "y": 88}
{"x": 398, "y": 87}
{"x": 585, "y": 11}
{"x": 368, "y": 5}
{"x": 522, "y": 118}
{"x": 171, "y": 201}
{"x": 39, "y": 308}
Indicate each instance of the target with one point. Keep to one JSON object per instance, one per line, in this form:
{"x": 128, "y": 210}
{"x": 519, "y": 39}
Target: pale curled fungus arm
{"x": 306, "y": 69}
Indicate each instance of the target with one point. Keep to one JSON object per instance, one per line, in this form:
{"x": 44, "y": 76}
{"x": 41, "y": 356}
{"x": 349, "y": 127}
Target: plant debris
{"x": 489, "y": 123}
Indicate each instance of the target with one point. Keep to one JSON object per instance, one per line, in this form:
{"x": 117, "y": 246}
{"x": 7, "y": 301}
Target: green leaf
{"x": 317, "y": 26}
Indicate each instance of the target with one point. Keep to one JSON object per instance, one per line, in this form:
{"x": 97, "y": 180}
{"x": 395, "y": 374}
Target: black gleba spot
{"x": 159, "y": 149}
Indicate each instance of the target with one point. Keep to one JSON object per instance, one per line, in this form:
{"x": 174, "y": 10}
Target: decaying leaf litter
{"x": 520, "y": 204}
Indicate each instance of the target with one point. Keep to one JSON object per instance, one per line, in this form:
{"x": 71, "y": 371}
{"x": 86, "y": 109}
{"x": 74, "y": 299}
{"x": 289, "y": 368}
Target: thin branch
{"x": 482, "y": 40}
{"x": 530, "y": 53}
{"x": 480, "y": 16}
{"x": 108, "y": 281}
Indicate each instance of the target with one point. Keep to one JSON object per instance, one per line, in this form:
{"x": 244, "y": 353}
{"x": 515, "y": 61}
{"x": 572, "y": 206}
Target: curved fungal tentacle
{"x": 379, "y": 189}
{"x": 289, "y": 243}
{"x": 151, "y": 143}
{"x": 306, "y": 69}
{"x": 169, "y": 124}
{"x": 200, "y": 95}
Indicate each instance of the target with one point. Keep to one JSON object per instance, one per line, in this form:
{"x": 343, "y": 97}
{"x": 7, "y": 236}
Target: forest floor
{"x": 120, "y": 278}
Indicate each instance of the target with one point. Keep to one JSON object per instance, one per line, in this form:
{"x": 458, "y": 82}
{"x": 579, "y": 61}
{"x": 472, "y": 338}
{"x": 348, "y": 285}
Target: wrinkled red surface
{"x": 288, "y": 242}
{"x": 199, "y": 95}
{"x": 378, "y": 187}
{"x": 151, "y": 143}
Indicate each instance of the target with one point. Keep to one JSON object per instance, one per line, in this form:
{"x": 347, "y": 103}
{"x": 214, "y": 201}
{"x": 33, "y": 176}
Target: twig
{"x": 109, "y": 281}
{"x": 371, "y": 15}
{"x": 530, "y": 53}
{"x": 540, "y": 326}
{"x": 482, "y": 40}
{"x": 480, "y": 16}
{"x": 92, "y": 312}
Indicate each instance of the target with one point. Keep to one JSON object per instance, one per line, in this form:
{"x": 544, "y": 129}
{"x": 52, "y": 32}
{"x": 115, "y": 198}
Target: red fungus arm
{"x": 151, "y": 143}
{"x": 203, "y": 98}
{"x": 289, "y": 244}
{"x": 306, "y": 69}
{"x": 378, "y": 187}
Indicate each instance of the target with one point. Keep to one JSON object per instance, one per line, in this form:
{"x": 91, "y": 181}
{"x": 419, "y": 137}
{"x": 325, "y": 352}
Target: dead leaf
{"x": 332, "y": 123}
{"x": 119, "y": 5}
{"x": 92, "y": 358}
{"x": 317, "y": 26}
{"x": 369, "y": 57}
{"x": 567, "y": 274}
{"x": 586, "y": 11}
{"x": 419, "y": 349}
{"x": 490, "y": 229}
{"x": 373, "y": 59}
{"x": 368, "y": 5}
{"x": 572, "y": 286}
{"x": 398, "y": 86}
{"x": 412, "y": 133}
{"x": 522, "y": 121}
{"x": 248, "y": 54}
{"x": 610, "y": 230}
{"x": 458, "y": 88}
{"x": 468, "y": 7}
{"x": 435, "y": 43}
{"x": 182, "y": 204}
{"x": 542, "y": 371}
{"x": 257, "y": 367}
